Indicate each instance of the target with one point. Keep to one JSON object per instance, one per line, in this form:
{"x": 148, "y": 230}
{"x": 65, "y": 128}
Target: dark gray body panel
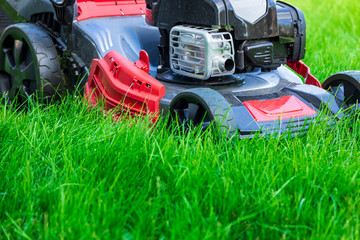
{"x": 5, "y": 20}
{"x": 27, "y": 8}
{"x": 127, "y": 35}
{"x": 265, "y": 86}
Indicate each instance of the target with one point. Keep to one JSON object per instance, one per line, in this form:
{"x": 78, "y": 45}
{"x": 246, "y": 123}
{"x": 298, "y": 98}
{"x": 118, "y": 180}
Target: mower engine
{"x": 200, "y": 52}
{"x": 210, "y": 38}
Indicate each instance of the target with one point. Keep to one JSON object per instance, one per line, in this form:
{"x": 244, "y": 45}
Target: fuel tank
{"x": 250, "y": 19}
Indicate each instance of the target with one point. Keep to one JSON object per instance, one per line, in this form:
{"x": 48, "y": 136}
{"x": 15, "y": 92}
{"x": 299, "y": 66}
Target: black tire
{"x": 203, "y": 106}
{"x": 345, "y": 86}
{"x": 29, "y": 64}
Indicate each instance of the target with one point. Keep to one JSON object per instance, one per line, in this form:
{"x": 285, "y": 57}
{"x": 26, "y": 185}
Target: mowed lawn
{"x": 70, "y": 173}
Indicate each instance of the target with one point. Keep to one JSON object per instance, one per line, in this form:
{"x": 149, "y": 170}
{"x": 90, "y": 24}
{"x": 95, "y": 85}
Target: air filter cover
{"x": 200, "y": 52}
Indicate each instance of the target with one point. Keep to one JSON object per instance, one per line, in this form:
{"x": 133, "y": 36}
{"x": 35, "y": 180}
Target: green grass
{"x": 67, "y": 172}
{"x": 333, "y": 35}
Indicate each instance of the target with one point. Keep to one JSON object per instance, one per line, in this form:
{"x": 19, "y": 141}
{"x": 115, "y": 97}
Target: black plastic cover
{"x": 294, "y": 30}
{"x": 167, "y": 14}
{"x": 265, "y": 27}
{"x": 64, "y": 11}
{"x": 261, "y": 53}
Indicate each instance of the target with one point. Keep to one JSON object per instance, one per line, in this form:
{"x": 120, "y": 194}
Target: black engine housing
{"x": 277, "y": 36}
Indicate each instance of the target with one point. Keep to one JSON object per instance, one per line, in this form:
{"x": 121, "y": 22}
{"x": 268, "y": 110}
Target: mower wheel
{"x": 345, "y": 86}
{"x": 29, "y": 64}
{"x": 199, "y": 107}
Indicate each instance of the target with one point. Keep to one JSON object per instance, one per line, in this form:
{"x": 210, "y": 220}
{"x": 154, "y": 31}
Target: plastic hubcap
{"x": 19, "y": 67}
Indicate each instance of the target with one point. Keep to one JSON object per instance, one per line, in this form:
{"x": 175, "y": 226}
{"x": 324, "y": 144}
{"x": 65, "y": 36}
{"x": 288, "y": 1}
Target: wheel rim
{"x": 191, "y": 114}
{"x": 346, "y": 92}
{"x": 18, "y": 69}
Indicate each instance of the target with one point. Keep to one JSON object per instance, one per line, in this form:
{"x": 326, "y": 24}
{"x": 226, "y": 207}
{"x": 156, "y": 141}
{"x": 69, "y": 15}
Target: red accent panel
{"x": 143, "y": 63}
{"x": 303, "y": 70}
{"x": 124, "y": 86}
{"x": 109, "y": 8}
{"x": 282, "y": 108}
{"x": 149, "y": 16}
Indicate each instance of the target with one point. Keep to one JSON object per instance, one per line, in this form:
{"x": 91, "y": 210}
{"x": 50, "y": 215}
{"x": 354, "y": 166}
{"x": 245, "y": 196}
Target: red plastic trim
{"x": 123, "y": 86}
{"x": 109, "y": 8}
{"x": 149, "y": 17}
{"x": 143, "y": 63}
{"x": 303, "y": 70}
{"x": 286, "y": 107}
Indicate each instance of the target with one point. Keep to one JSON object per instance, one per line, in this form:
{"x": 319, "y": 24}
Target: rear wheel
{"x": 345, "y": 86}
{"x": 199, "y": 107}
{"x": 28, "y": 64}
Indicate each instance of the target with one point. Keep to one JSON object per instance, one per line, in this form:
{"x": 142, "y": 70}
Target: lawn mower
{"x": 220, "y": 62}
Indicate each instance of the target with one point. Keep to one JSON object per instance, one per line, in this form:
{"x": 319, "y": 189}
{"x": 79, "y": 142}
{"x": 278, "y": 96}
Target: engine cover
{"x": 201, "y": 52}
{"x": 264, "y": 34}
{"x": 251, "y": 19}
{"x": 249, "y": 10}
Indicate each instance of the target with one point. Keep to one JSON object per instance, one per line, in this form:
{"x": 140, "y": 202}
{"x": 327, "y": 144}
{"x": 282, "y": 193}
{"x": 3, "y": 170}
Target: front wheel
{"x": 345, "y": 86}
{"x": 199, "y": 107}
{"x": 29, "y": 64}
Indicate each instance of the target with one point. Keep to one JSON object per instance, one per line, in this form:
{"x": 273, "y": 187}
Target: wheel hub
{"x": 18, "y": 68}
